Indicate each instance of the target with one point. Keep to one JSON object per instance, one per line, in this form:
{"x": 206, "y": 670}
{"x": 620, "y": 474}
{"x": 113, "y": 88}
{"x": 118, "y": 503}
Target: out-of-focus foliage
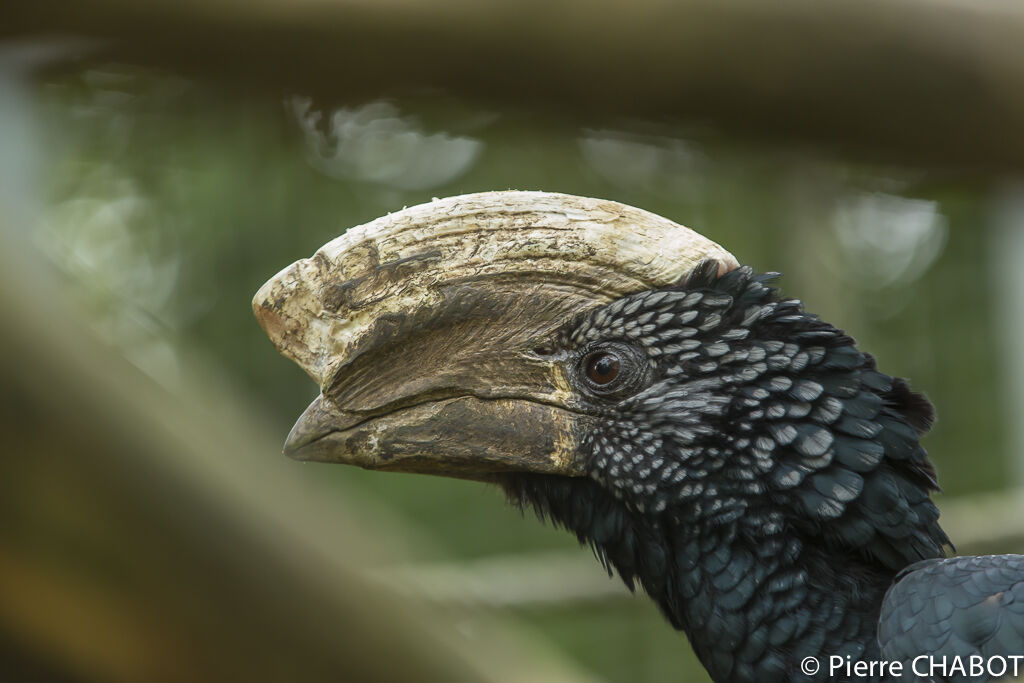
{"x": 168, "y": 202}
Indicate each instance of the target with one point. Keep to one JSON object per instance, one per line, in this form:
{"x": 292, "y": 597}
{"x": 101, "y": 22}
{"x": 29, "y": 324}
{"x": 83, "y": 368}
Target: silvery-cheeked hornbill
{"x": 734, "y": 455}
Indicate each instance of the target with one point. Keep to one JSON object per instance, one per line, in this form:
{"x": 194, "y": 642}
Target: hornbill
{"x": 735, "y": 456}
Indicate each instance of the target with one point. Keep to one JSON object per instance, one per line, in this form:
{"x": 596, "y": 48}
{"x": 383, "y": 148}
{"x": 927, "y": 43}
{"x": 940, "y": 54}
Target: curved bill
{"x": 458, "y": 437}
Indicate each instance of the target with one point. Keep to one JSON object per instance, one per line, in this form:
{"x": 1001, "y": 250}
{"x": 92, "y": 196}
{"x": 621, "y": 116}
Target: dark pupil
{"x": 603, "y": 368}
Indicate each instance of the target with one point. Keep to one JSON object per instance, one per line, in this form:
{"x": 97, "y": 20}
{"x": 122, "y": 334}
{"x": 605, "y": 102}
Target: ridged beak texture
{"x": 423, "y": 327}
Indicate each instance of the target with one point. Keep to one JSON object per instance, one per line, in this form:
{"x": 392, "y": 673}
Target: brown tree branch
{"x": 901, "y": 80}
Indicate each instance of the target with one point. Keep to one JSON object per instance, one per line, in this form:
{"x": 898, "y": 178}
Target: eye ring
{"x": 611, "y": 370}
{"x": 602, "y": 367}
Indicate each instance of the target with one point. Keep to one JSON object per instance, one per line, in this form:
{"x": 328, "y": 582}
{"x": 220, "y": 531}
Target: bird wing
{"x": 960, "y": 607}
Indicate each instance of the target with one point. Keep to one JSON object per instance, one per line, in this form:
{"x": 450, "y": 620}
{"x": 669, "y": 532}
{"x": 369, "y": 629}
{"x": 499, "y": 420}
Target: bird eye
{"x": 603, "y": 367}
{"x": 613, "y": 370}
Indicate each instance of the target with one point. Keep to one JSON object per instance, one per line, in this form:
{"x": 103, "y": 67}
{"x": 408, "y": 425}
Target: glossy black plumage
{"x": 961, "y": 607}
{"x": 763, "y": 482}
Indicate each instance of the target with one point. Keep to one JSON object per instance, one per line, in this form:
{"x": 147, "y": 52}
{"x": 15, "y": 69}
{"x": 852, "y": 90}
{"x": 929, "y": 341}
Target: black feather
{"x": 763, "y": 482}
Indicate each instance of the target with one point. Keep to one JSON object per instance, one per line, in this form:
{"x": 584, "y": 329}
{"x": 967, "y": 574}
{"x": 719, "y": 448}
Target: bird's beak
{"x": 428, "y": 329}
{"x": 458, "y": 437}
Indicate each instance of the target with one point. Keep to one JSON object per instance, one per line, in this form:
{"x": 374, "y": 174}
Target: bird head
{"x": 441, "y": 335}
{"x": 567, "y": 347}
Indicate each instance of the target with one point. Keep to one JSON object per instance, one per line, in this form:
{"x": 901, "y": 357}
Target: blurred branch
{"x": 899, "y": 80}
{"x": 986, "y": 523}
{"x": 989, "y": 523}
{"x": 151, "y": 536}
{"x": 524, "y": 580}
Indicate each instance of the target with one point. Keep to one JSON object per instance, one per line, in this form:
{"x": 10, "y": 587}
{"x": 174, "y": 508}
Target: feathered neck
{"x": 828, "y": 488}
{"x": 753, "y": 606}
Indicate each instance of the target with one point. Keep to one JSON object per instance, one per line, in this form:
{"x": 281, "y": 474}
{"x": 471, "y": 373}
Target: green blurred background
{"x": 147, "y": 194}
